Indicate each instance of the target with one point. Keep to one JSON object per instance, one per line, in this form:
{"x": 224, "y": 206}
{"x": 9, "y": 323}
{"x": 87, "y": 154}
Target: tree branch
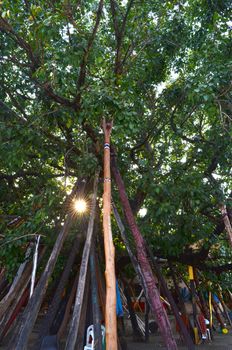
{"x": 119, "y": 34}
{"x": 24, "y": 174}
{"x": 34, "y": 63}
{"x": 82, "y": 75}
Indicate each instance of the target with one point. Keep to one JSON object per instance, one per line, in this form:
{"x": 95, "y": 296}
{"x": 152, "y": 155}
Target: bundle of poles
{"x": 88, "y": 299}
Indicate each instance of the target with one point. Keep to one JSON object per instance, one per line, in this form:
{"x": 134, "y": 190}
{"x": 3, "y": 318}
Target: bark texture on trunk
{"x": 151, "y": 290}
{"x": 110, "y": 314}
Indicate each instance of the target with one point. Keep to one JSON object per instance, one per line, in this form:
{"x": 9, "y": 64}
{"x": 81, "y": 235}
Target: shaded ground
{"x": 220, "y": 342}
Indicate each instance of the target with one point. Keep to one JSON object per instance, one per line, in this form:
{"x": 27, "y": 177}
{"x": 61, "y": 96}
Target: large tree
{"x": 162, "y": 73}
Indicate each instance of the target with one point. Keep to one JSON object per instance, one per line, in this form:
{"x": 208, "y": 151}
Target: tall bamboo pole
{"x": 110, "y": 314}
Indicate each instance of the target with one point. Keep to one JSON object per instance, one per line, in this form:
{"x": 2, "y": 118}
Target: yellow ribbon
{"x": 190, "y": 271}
{"x": 210, "y": 310}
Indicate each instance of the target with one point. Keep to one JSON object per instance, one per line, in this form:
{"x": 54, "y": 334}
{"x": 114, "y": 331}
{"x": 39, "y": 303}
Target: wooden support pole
{"x": 230, "y": 295}
{"x": 165, "y": 289}
{"x": 126, "y": 242}
{"x": 83, "y": 319}
{"x": 19, "y": 300}
{"x": 137, "y": 333}
{"x": 24, "y": 270}
{"x": 133, "y": 319}
{"x": 226, "y": 222}
{"x": 57, "y": 297}
{"x": 203, "y": 304}
{"x": 151, "y": 289}
{"x": 31, "y": 311}
{"x": 181, "y": 301}
{"x": 194, "y": 302}
{"x": 110, "y": 314}
{"x": 147, "y": 330}
{"x": 22, "y": 285}
{"x": 220, "y": 297}
{"x": 95, "y": 302}
{"x": 27, "y": 321}
{"x": 217, "y": 313}
{"x": 186, "y": 336}
{"x": 68, "y": 308}
{"x": 204, "y": 308}
{"x": 75, "y": 322}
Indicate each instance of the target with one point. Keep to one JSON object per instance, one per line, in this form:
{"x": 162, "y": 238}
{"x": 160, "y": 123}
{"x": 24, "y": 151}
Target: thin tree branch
{"x": 82, "y": 75}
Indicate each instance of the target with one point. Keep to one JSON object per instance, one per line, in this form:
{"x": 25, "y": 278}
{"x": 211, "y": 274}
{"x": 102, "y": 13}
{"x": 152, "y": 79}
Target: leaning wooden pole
{"x": 194, "y": 303}
{"x": 32, "y": 309}
{"x": 95, "y": 301}
{"x": 166, "y": 291}
{"x": 110, "y": 314}
{"x": 158, "y": 273}
{"x": 227, "y": 223}
{"x": 151, "y": 289}
{"x": 76, "y": 317}
{"x": 27, "y": 321}
{"x": 220, "y": 297}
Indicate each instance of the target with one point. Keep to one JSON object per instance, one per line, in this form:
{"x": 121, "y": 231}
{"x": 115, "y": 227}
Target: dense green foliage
{"x": 162, "y": 72}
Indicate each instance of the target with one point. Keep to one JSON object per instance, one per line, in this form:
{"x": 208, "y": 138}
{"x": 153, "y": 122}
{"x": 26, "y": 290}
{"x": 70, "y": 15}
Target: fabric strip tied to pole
{"x": 35, "y": 260}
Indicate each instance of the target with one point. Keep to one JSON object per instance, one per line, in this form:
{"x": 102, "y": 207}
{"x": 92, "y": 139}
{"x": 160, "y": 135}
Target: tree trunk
{"x": 75, "y": 322}
{"x": 151, "y": 290}
{"x": 110, "y": 315}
